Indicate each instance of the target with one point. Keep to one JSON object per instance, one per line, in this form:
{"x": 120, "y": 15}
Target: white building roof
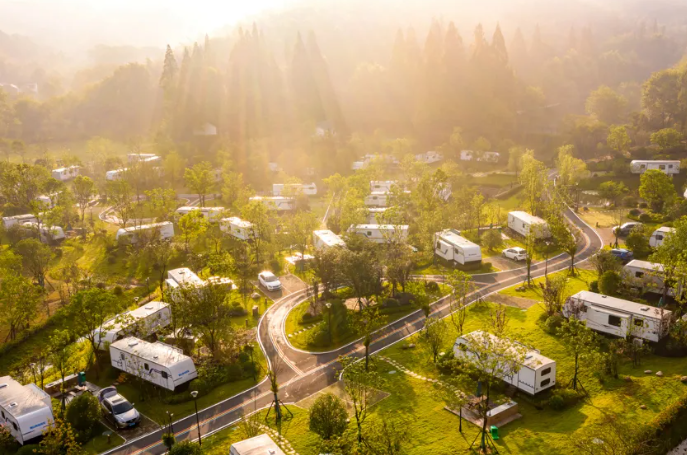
{"x": 271, "y": 198}
{"x": 622, "y": 306}
{"x": 258, "y": 445}
{"x": 184, "y": 276}
{"x": 63, "y": 169}
{"x": 130, "y": 317}
{"x": 26, "y": 216}
{"x": 143, "y": 227}
{"x": 329, "y": 238}
{"x": 526, "y": 217}
{"x": 159, "y": 353}
{"x": 19, "y": 400}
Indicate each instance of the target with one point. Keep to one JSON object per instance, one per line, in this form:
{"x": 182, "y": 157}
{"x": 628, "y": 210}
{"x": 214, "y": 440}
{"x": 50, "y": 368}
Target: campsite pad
{"x": 338, "y": 390}
{"x": 509, "y": 300}
{"x": 144, "y": 427}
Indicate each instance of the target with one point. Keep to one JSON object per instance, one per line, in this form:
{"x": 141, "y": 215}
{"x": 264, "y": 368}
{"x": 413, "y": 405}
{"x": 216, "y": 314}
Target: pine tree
{"x": 519, "y": 56}
{"x": 498, "y": 44}
{"x": 304, "y": 85}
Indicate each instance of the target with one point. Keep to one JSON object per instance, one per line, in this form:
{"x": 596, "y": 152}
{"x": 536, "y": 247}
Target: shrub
{"x": 553, "y": 323}
{"x": 307, "y": 317}
{"x": 630, "y": 201}
{"x": 29, "y": 449}
{"x": 118, "y": 291}
{"x": 635, "y": 212}
{"x": 432, "y": 287}
{"x": 643, "y": 205}
{"x": 390, "y": 303}
{"x": 594, "y": 286}
{"x": 237, "y": 310}
{"x": 609, "y": 282}
{"x": 168, "y": 440}
{"x": 405, "y": 298}
{"x": 563, "y": 398}
{"x": 83, "y": 414}
{"x": 234, "y": 372}
{"x": 328, "y": 416}
{"x": 185, "y": 448}
{"x": 645, "y": 218}
{"x": 275, "y": 265}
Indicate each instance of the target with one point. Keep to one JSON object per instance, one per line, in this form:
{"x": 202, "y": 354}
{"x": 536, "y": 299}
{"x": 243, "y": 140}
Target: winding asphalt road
{"x": 302, "y": 374}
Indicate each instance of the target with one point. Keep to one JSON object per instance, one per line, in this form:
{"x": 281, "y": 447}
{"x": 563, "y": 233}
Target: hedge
{"x": 666, "y": 430}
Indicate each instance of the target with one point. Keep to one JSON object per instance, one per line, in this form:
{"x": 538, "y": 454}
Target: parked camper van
{"x": 292, "y": 189}
{"x": 277, "y": 203}
{"x": 64, "y": 174}
{"x": 429, "y": 157}
{"x": 670, "y": 167}
{"x": 183, "y": 277}
{"x": 383, "y": 186}
{"x": 115, "y": 174}
{"x": 236, "y": 227}
{"x": 144, "y": 321}
{"x": 381, "y": 233}
{"x": 487, "y": 157}
{"x": 451, "y": 246}
{"x": 9, "y": 221}
{"x": 47, "y": 233}
{"x": 212, "y": 214}
{"x": 537, "y": 373}
{"x": 618, "y": 317}
{"x": 131, "y": 234}
{"x": 372, "y": 213}
{"x": 25, "y": 410}
{"x": 377, "y": 199}
{"x": 658, "y": 235}
{"x": 648, "y": 277}
{"x": 141, "y": 157}
{"x": 159, "y": 363}
{"x": 522, "y": 222}
{"x": 326, "y": 239}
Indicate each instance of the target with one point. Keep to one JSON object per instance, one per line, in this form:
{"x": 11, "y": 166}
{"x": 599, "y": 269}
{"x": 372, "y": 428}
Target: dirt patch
{"x": 509, "y": 300}
{"x": 502, "y": 263}
{"x": 337, "y": 389}
{"x": 291, "y": 283}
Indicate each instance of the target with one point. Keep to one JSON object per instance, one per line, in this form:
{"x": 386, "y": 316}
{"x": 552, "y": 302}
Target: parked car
{"x": 117, "y": 409}
{"x": 269, "y": 281}
{"x": 516, "y": 253}
{"x": 623, "y": 254}
{"x": 624, "y": 229}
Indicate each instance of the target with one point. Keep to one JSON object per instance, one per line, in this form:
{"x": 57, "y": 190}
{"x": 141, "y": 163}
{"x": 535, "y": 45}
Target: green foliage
{"x": 492, "y": 239}
{"x": 606, "y": 105}
{"x": 618, "y": 140}
{"x": 638, "y": 242}
{"x": 609, "y": 283}
{"x": 185, "y": 448}
{"x": 657, "y": 189}
{"x": 28, "y": 449}
{"x": 561, "y": 399}
{"x": 553, "y": 323}
{"x": 612, "y": 190}
{"x": 666, "y": 138}
{"x": 7, "y": 442}
{"x": 83, "y": 414}
{"x": 328, "y": 416}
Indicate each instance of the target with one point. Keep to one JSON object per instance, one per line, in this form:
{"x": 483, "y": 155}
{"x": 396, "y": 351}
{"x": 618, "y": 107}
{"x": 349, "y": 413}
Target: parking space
{"x": 289, "y": 285}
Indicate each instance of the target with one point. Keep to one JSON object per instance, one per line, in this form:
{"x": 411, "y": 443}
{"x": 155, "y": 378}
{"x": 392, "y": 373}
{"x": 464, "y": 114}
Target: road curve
{"x": 302, "y": 374}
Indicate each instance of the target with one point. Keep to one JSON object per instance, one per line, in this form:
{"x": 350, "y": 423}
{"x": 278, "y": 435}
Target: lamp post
{"x": 194, "y": 394}
{"x": 329, "y": 320}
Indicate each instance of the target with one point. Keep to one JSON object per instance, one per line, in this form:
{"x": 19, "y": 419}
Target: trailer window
{"x": 639, "y": 322}
{"x": 121, "y": 355}
{"x": 662, "y": 166}
{"x": 3, "y": 415}
{"x": 164, "y": 374}
{"x": 614, "y": 320}
{"x": 145, "y": 365}
{"x": 639, "y": 274}
{"x": 545, "y": 371}
{"x": 545, "y": 382}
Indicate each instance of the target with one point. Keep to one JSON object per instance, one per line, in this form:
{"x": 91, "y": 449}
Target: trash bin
{"x": 81, "y": 380}
{"x": 494, "y": 432}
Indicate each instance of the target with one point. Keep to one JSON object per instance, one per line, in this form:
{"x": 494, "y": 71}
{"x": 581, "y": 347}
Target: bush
{"x": 635, "y": 212}
{"x": 645, "y": 218}
{"x": 553, "y": 323}
{"x": 328, "y": 416}
{"x": 630, "y": 201}
{"x": 83, "y": 414}
{"x": 275, "y": 265}
{"x": 563, "y": 398}
{"x": 234, "y": 372}
{"x": 390, "y": 303}
{"x": 118, "y": 291}
{"x": 432, "y": 287}
{"x": 185, "y": 448}
{"x": 594, "y": 286}
{"x": 29, "y": 449}
{"x": 643, "y": 205}
{"x": 610, "y": 282}
{"x": 405, "y": 298}
{"x": 237, "y": 310}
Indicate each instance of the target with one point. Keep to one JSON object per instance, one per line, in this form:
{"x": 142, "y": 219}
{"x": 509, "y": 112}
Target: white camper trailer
{"x": 257, "y": 445}
{"x": 292, "y": 189}
{"x": 658, "y": 235}
{"x": 670, "y": 167}
{"x": 212, "y": 214}
{"x": 183, "y": 277}
{"x": 25, "y": 410}
{"x": 278, "y": 203}
{"x": 487, "y": 157}
{"x": 9, "y": 221}
{"x": 165, "y": 229}
{"x": 46, "y": 233}
{"x": 64, "y": 174}
{"x": 618, "y": 317}
{"x": 372, "y": 213}
{"x": 429, "y": 157}
{"x": 381, "y": 233}
{"x": 377, "y": 199}
{"x": 451, "y": 246}
{"x": 48, "y": 200}
{"x": 536, "y": 373}
{"x": 326, "y": 239}
{"x": 522, "y": 222}
{"x": 138, "y": 157}
{"x": 648, "y": 277}
{"x": 116, "y": 174}
{"x": 144, "y": 321}
{"x": 236, "y": 227}
{"x": 159, "y": 363}
{"x": 383, "y": 186}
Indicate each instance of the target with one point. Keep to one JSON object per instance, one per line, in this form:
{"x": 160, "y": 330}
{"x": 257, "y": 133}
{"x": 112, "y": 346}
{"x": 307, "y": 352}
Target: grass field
{"x": 495, "y": 180}
{"x": 580, "y": 282}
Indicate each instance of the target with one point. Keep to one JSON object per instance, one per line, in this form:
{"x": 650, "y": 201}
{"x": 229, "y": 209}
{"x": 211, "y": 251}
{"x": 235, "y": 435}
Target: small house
{"x": 25, "y": 410}
{"x": 64, "y": 174}
{"x": 238, "y": 228}
{"x": 535, "y": 374}
{"x": 670, "y": 167}
{"x": 257, "y": 445}
{"x": 326, "y": 239}
{"x": 381, "y": 233}
{"x": 132, "y": 233}
{"x": 206, "y": 129}
{"x": 647, "y": 277}
{"x": 522, "y": 222}
{"x": 163, "y": 365}
{"x": 142, "y": 321}
{"x": 17, "y": 220}
{"x": 456, "y": 249}
{"x": 276, "y": 203}
{"x": 212, "y": 214}
{"x": 292, "y": 189}
{"x": 618, "y": 317}
{"x": 658, "y": 235}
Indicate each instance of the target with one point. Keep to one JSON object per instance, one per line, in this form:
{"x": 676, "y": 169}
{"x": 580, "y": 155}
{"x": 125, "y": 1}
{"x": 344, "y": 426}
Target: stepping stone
{"x": 659, "y": 374}
{"x": 683, "y": 379}
{"x": 647, "y": 371}
{"x": 392, "y": 372}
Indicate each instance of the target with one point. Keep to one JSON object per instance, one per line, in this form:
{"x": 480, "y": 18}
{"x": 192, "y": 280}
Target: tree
{"x": 670, "y": 254}
{"x": 300, "y": 227}
{"x": 121, "y": 195}
{"x": 435, "y": 336}
{"x": 567, "y": 236}
{"x": 387, "y": 437}
{"x": 461, "y": 288}
{"x": 261, "y": 227}
{"x": 533, "y": 179}
{"x": 612, "y": 191}
{"x": 328, "y": 416}
{"x": 192, "y": 225}
{"x": 570, "y": 169}
{"x": 89, "y": 312}
{"x": 325, "y": 265}
{"x": 161, "y": 202}
{"x": 638, "y": 242}
{"x": 492, "y": 239}
{"x": 185, "y": 448}
{"x": 604, "y": 261}
{"x": 36, "y": 259}
{"x": 83, "y": 415}
{"x": 618, "y": 140}
{"x": 59, "y": 439}
{"x": 84, "y": 189}
{"x": 209, "y": 314}
{"x": 367, "y": 321}
{"x": 581, "y": 343}
{"x": 362, "y": 272}
{"x": 657, "y": 189}
{"x": 666, "y": 139}
{"x": 554, "y": 293}
{"x": 606, "y": 105}
{"x": 160, "y": 253}
{"x": 515, "y": 159}
{"x": 200, "y": 179}
{"x": 18, "y": 303}
{"x": 360, "y": 385}
{"x": 400, "y": 262}
{"x": 609, "y": 283}
{"x": 61, "y": 356}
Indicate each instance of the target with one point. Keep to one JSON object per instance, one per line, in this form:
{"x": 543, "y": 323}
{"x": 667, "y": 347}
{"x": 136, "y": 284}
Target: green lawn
{"x": 496, "y": 180}
{"x": 99, "y": 443}
{"x": 439, "y": 269}
{"x": 580, "y": 282}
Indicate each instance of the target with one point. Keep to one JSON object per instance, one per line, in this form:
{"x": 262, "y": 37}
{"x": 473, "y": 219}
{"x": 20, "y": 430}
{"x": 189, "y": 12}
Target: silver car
{"x": 269, "y": 280}
{"x": 117, "y": 409}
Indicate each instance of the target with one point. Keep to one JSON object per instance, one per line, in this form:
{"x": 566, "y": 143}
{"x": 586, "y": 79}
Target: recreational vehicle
{"x": 257, "y": 445}
{"x": 373, "y": 212}
{"x": 658, "y": 235}
{"x": 670, "y": 167}
{"x": 383, "y": 186}
{"x": 618, "y": 317}
{"x": 164, "y": 229}
{"x": 487, "y": 157}
{"x": 278, "y": 203}
{"x": 377, "y": 199}
{"x": 46, "y": 232}
{"x": 522, "y": 222}
{"x": 429, "y": 157}
{"x": 326, "y": 239}
{"x": 648, "y": 277}
{"x": 236, "y": 227}
{"x": 64, "y": 174}
{"x": 381, "y": 233}
{"x": 116, "y": 174}
{"x": 183, "y": 277}
{"x": 212, "y": 214}
{"x": 292, "y": 189}
{"x": 25, "y": 410}
{"x": 142, "y": 158}
{"x": 536, "y": 372}
{"x": 159, "y": 363}
{"x": 9, "y": 221}
{"x": 451, "y": 246}
{"x": 142, "y": 321}
{"x": 47, "y": 200}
